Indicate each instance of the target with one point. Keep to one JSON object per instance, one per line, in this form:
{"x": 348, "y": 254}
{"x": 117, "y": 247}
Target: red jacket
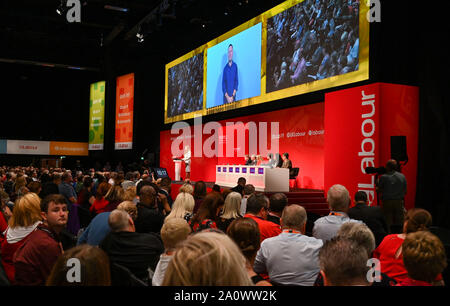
{"x": 267, "y": 229}
{"x": 34, "y": 260}
{"x": 99, "y": 206}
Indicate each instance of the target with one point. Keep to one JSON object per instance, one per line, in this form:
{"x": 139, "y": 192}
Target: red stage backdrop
{"x": 300, "y": 133}
{"x": 359, "y": 122}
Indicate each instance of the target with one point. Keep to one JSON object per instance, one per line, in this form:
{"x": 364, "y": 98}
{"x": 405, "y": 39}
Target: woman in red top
{"x": 25, "y": 219}
{"x": 389, "y": 252}
{"x": 100, "y": 202}
{"x": 207, "y": 215}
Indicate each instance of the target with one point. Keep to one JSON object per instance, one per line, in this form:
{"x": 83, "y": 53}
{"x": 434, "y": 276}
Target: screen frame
{"x": 361, "y": 74}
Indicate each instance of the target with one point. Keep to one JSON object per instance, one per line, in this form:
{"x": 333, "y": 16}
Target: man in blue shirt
{"x": 230, "y": 78}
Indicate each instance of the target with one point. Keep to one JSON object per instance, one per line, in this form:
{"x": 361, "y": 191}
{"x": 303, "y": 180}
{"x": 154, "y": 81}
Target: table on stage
{"x": 264, "y": 178}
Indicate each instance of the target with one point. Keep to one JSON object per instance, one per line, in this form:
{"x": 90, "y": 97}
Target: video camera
{"x": 373, "y": 170}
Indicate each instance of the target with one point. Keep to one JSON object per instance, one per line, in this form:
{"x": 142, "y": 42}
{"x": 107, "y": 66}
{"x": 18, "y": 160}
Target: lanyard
{"x": 335, "y": 214}
{"x": 291, "y": 231}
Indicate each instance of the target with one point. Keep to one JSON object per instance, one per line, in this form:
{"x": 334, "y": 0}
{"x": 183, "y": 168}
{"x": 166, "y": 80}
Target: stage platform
{"x": 313, "y": 201}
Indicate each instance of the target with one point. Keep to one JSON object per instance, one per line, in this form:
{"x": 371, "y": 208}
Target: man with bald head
{"x": 138, "y": 252}
{"x": 150, "y": 219}
{"x": 338, "y": 199}
{"x": 392, "y": 187}
{"x": 291, "y": 258}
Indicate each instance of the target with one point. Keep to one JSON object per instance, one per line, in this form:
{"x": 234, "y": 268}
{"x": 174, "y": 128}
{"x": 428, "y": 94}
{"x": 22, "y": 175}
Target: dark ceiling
{"x": 32, "y": 30}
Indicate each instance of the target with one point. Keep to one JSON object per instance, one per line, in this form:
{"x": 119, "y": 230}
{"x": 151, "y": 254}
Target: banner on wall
{"x": 69, "y": 148}
{"x": 97, "y": 116}
{"x": 27, "y": 147}
{"x": 124, "y": 112}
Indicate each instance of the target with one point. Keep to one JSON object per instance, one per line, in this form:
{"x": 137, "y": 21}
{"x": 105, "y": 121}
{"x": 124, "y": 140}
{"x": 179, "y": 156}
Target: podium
{"x": 177, "y": 169}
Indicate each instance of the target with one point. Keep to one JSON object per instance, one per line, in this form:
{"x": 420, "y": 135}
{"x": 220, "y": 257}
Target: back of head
{"x": 417, "y": 219}
{"x": 242, "y": 180}
{"x": 147, "y": 194}
{"x": 208, "y": 209}
{"x": 118, "y": 220}
{"x": 278, "y": 202}
{"x": 187, "y": 188}
{"x": 115, "y": 194}
{"x": 184, "y": 203}
{"x": 294, "y": 217}
{"x": 338, "y": 198}
{"x": 391, "y": 165}
{"x": 27, "y": 211}
{"x": 130, "y": 208}
{"x": 255, "y": 202}
{"x": 102, "y": 190}
{"x": 166, "y": 182}
{"x": 343, "y": 262}
{"x": 232, "y": 205}
{"x": 249, "y": 189}
{"x": 207, "y": 259}
{"x": 199, "y": 190}
{"x": 93, "y": 264}
{"x": 174, "y": 231}
{"x": 360, "y": 233}
{"x": 245, "y": 233}
{"x": 361, "y": 197}
{"x": 424, "y": 256}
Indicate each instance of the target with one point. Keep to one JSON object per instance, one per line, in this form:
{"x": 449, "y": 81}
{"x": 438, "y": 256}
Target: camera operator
{"x": 392, "y": 187}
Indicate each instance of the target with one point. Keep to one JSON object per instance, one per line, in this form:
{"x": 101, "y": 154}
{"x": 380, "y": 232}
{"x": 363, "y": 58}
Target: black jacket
{"x": 149, "y": 220}
{"x": 135, "y": 251}
{"x": 372, "y": 217}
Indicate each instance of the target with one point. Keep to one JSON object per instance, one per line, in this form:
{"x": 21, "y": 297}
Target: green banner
{"x": 97, "y": 116}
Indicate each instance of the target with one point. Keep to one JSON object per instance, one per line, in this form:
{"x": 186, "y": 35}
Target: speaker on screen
{"x": 398, "y": 148}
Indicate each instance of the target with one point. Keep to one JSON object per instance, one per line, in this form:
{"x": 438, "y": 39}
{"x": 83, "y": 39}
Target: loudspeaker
{"x": 398, "y": 148}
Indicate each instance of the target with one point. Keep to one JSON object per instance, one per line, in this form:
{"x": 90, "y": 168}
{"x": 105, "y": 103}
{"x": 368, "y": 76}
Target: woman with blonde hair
{"x": 231, "y": 210}
{"x": 130, "y": 208}
{"x": 187, "y": 188}
{"x": 114, "y": 196}
{"x": 183, "y": 206}
{"x": 24, "y": 220}
{"x": 207, "y": 259}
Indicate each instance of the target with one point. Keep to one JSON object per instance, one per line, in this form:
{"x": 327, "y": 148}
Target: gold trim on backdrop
{"x": 355, "y": 76}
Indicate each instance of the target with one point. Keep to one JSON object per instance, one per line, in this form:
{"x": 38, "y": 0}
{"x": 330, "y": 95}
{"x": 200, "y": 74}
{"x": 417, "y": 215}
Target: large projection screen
{"x": 297, "y": 47}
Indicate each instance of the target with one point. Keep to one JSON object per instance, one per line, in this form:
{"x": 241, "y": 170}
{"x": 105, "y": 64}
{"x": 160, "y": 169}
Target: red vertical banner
{"x": 352, "y": 139}
{"x": 124, "y": 112}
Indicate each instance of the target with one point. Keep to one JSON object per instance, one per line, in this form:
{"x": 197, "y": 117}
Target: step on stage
{"x": 313, "y": 201}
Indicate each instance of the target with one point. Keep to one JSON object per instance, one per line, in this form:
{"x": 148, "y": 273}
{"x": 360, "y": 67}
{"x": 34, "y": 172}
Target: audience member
{"x": 231, "y": 211}
{"x": 207, "y": 259}
{"x": 245, "y": 233}
{"x": 165, "y": 189}
{"x": 370, "y": 215}
{"x": 216, "y": 188}
{"x": 130, "y": 208}
{"x": 199, "y": 194}
{"x": 424, "y": 258}
{"x": 343, "y": 262}
{"x": 100, "y": 202}
{"x": 25, "y": 219}
{"x": 97, "y": 229}
{"x": 389, "y": 252}
{"x": 338, "y": 200}
{"x": 182, "y": 207}
{"x": 85, "y": 199}
{"x": 114, "y": 196}
{"x": 207, "y": 214}
{"x": 257, "y": 207}
{"x": 66, "y": 189}
{"x": 187, "y": 188}
{"x": 93, "y": 264}
{"x": 35, "y": 258}
{"x": 174, "y": 231}
{"x": 138, "y": 252}
{"x": 290, "y": 258}
{"x": 239, "y": 188}
{"x": 249, "y": 189}
{"x": 277, "y": 203}
{"x": 150, "y": 219}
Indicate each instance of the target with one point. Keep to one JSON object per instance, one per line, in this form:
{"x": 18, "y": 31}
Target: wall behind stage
{"x": 301, "y": 134}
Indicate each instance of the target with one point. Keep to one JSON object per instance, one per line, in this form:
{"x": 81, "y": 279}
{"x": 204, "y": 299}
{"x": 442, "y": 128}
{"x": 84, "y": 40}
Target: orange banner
{"x": 124, "y": 112}
{"x": 69, "y": 148}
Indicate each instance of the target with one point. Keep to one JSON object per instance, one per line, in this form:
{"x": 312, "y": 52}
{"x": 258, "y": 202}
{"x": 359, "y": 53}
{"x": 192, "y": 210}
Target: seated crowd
{"x": 125, "y": 229}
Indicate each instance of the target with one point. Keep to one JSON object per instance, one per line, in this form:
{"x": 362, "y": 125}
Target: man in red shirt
{"x": 257, "y": 209}
{"x": 34, "y": 260}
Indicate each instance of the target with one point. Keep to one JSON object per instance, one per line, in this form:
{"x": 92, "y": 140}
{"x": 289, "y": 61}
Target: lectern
{"x": 177, "y": 168}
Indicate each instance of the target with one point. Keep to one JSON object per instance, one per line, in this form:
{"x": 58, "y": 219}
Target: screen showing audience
{"x": 185, "y": 87}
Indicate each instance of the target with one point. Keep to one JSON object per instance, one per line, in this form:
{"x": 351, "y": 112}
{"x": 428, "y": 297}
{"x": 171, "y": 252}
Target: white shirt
{"x": 160, "y": 271}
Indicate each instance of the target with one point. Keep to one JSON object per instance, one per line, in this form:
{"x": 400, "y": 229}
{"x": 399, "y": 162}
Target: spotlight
{"x": 62, "y": 7}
